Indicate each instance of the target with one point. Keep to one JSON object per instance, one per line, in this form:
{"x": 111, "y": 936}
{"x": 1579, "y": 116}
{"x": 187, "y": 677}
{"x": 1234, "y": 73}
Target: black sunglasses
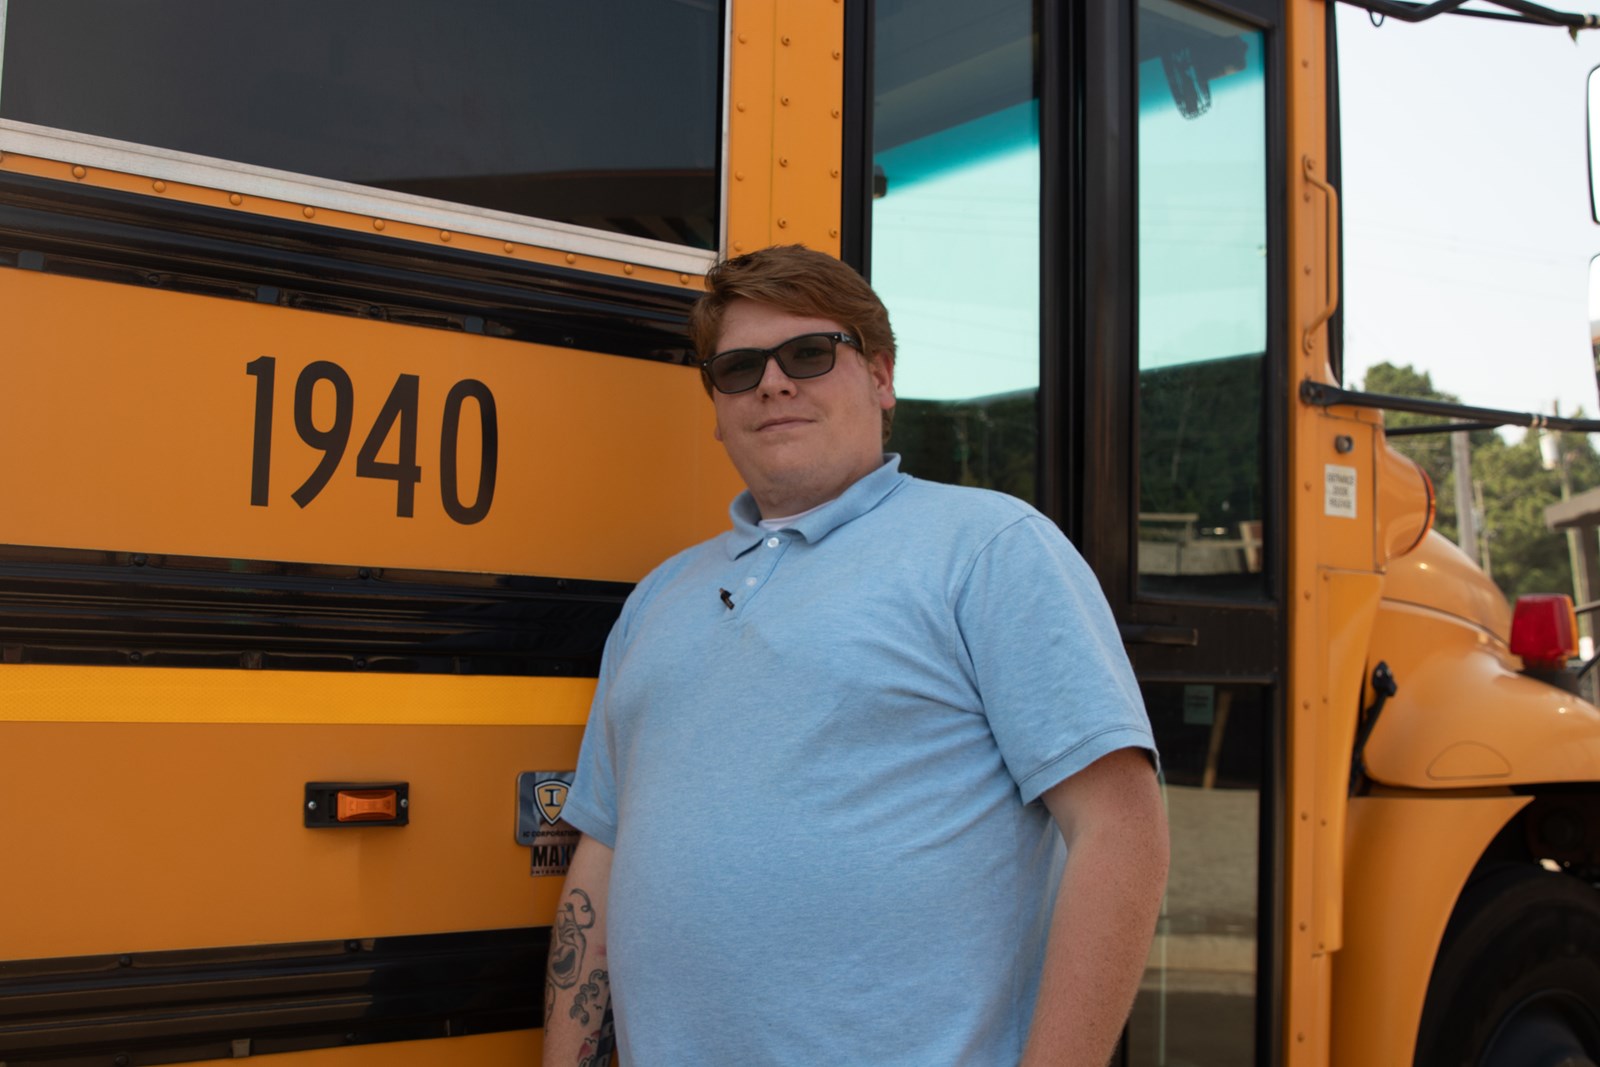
{"x": 739, "y": 370}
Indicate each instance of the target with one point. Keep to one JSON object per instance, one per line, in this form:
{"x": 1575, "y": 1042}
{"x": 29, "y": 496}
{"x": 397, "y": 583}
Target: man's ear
{"x": 881, "y": 367}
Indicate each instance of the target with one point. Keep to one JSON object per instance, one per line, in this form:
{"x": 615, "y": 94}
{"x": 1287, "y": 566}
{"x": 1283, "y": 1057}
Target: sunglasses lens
{"x": 807, "y": 357}
{"x": 736, "y": 372}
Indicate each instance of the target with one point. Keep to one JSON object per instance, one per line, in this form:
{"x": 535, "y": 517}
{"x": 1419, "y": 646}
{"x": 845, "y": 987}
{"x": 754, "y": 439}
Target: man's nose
{"x": 773, "y": 380}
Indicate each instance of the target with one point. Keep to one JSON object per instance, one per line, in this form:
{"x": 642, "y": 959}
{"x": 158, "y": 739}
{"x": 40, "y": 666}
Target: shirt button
{"x": 749, "y": 581}
{"x": 772, "y": 542}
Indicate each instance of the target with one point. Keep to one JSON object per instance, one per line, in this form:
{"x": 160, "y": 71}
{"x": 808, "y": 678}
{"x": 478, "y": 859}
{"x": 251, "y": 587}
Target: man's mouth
{"x": 781, "y": 423}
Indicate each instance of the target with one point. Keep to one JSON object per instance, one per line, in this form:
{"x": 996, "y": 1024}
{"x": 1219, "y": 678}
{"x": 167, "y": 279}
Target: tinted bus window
{"x": 1202, "y": 303}
{"x": 499, "y": 104}
{"x": 955, "y": 236}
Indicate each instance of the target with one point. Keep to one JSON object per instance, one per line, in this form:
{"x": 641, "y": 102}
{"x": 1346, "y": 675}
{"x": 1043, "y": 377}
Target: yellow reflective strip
{"x": 42, "y": 693}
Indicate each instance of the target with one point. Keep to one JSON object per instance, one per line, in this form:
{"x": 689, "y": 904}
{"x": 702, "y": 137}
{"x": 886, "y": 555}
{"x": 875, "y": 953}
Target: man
{"x": 835, "y": 752}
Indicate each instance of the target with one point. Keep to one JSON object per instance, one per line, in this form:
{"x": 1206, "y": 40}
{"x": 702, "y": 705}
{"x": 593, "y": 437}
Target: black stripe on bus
{"x": 65, "y": 606}
{"x": 109, "y": 235}
{"x": 178, "y": 1007}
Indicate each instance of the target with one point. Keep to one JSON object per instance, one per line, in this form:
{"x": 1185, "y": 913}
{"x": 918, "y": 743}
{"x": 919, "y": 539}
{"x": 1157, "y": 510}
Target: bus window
{"x": 1202, "y": 303}
{"x": 494, "y": 104}
{"x": 955, "y": 236}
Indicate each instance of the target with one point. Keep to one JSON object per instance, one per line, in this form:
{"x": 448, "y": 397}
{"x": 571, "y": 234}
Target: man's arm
{"x": 577, "y": 983}
{"x": 1115, "y": 827}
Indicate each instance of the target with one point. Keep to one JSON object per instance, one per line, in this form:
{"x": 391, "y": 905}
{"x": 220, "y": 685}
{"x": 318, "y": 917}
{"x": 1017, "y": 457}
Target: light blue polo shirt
{"x": 821, "y": 799}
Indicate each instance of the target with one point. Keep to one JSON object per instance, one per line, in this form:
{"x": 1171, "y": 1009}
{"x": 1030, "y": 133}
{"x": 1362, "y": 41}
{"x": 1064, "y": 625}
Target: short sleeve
{"x": 1049, "y": 665}
{"x": 591, "y": 805}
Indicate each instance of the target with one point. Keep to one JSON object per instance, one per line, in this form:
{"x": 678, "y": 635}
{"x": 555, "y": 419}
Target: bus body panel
{"x": 152, "y": 829}
{"x": 153, "y": 409}
{"x": 1408, "y": 857}
{"x": 1463, "y": 717}
{"x": 1438, "y": 575}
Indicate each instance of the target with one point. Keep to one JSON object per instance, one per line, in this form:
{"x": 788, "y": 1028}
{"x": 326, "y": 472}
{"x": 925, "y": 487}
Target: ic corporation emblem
{"x": 551, "y": 796}
{"x": 541, "y": 798}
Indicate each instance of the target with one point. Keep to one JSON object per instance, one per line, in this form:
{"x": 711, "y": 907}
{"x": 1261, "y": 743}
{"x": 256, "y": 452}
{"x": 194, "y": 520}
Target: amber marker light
{"x": 1544, "y": 631}
{"x": 367, "y": 805}
{"x": 334, "y": 804}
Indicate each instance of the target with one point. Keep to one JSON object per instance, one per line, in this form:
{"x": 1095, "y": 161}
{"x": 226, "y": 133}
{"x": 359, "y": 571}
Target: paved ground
{"x": 1197, "y": 1004}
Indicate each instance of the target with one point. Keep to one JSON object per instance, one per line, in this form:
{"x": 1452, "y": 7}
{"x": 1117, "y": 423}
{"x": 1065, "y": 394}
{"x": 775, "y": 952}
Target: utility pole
{"x": 1554, "y": 457}
{"x": 1466, "y": 521}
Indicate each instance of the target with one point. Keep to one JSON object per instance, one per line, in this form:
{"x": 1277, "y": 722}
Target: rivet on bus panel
{"x": 785, "y": 40}
{"x": 738, "y": 175}
{"x": 683, "y": 278}
{"x": 739, "y": 106}
{"x": 79, "y": 172}
{"x": 836, "y": 52}
{"x": 833, "y": 172}
{"x": 784, "y": 100}
{"x": 741, "y": 38}
{"x": 783, "y": 161}
{"x": 378, "y": 224}
{"x": 509, "y": 247}
{"x": 782, "y": 223}
{"x": 445, "y": 235}
{"x": 627, "y": 268}
{"x": 738, "y": 246}
{"x": 571, "y": 258}
{"x": 235, "y": 199}
{"x": 159, "y": 186}
{"x": 835, "y": 112}
{"x": 309, "y": 212}
{"x": 833, "y": 233}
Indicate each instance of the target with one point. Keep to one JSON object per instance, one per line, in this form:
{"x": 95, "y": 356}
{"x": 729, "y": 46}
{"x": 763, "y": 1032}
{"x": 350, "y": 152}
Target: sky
{"x": 1468, "y": 232}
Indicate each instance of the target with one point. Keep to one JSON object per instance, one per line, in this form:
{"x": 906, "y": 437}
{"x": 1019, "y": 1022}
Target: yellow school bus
{"x": 344, "y": 393}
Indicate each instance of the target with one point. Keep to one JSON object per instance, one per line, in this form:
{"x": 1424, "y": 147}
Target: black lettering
{"x": 401, "y": 405}
{"x": 332, "y": 441}
{"x": 488, "y": 459}
{"x": 264, "y": 371}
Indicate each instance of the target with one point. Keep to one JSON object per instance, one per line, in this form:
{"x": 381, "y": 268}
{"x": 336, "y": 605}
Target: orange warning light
{"x": 367, "y": 805}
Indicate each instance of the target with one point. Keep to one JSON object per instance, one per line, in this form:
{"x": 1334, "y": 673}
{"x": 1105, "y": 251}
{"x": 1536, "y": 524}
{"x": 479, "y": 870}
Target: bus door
{"x": 1071, "y": 220}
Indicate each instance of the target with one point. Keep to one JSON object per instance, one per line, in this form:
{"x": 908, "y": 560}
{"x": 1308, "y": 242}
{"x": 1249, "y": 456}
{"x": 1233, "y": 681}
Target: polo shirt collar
{"x": 866, "y": 494}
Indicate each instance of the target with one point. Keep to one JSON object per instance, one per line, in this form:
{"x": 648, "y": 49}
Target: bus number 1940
{"x": 400, "y": 407}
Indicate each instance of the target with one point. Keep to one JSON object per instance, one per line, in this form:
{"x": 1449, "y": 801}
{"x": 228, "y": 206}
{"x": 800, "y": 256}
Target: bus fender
{"x": 1463, "y": 717}
{"x": 1408, "y": 856}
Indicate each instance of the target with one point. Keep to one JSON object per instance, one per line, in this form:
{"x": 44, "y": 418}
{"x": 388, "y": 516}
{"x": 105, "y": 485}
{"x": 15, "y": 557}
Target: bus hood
{"x": 1438, "y": 575}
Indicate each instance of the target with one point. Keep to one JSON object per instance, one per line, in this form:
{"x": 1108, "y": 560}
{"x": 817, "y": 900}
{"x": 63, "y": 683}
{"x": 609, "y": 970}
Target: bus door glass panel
{"x": 1196, "y": 1006}
{"x": 498, "y": 104}
{"x": 955, "y": 235}
{"x": 1202, "y": 304}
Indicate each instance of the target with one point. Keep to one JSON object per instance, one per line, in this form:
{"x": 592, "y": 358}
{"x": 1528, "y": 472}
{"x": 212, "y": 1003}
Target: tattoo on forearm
{"x": 566, "y": 953}
{"x": 590, "y": 995}
{"x": 598, "y": 1046}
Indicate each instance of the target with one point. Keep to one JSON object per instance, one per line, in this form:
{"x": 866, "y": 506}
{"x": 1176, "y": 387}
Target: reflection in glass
{"x": 955, "y": 236}
{"x": 1594, "y": 145}
{"x": 1202, "y": 302}
{"x": 492, "y": 103}
{"x": 1594, "y": 314}
{"x": 1196, "y": 1007}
